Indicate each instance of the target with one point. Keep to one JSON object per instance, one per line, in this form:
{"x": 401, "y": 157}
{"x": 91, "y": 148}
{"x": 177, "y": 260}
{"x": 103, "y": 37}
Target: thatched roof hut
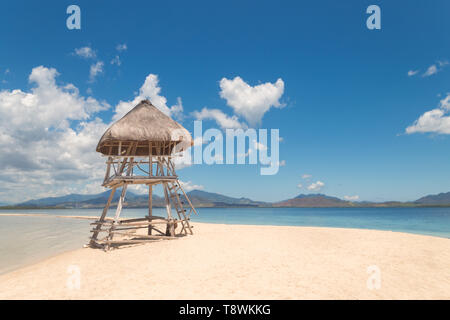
{"x": 141, "y": 130}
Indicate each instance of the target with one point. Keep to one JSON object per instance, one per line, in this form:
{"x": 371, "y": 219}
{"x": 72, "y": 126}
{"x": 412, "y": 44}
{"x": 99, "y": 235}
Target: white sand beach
{"x": 247, "y": 262}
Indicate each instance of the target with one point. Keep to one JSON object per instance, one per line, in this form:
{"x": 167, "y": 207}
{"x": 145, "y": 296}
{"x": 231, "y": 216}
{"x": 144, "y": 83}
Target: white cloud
{"x": 48, "y": 136}
{"x": 223, "y": 120}
{"x": 431, "y": 121}
{"x": 435, "y": 68}
{"x": 351, "y": 198}
{"x": 306, "y": 176}
{"x": 150, "y": 90}
{"x": 176, "y": 111}
{"x": 139, "y": 189}
{"x": 282, "y": 163}
{"x": 199, "y": 141}
{"x": 43, "y": 153}
{"x": 251, "y": 102}
{"x": 189, "y": 186}
{"x": 85, "y": 52}
{"x": 316, "y": 186}
{"x": 445, "y": 103}
{"x": 259, "y": 146}
{"x": 116, "y": 61}
{"x": 121, "y": 47}
{"x": 412, "y": 72}
{"x": 431, "y": 70}
{"x": 299, "y": 186}
{"x": 95, "y": 70}
{"x": 436, "y": 120}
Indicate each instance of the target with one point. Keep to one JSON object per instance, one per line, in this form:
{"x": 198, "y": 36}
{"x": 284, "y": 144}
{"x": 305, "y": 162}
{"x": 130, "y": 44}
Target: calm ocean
{"x": 27, "y": 239}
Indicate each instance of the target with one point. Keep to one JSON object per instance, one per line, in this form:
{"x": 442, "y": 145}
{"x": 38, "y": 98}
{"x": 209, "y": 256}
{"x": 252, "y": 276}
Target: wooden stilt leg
{"x": 150, "y": 188}
{"x": 102, "y": 218}
{"x": 170, "y": 225}
{"x": 150, "y": 213}
{"x": 117, "y": 215}
{"x": 120, "y": 203}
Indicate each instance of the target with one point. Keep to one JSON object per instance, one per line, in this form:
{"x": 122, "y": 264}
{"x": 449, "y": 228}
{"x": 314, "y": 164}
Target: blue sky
{"x": 347, "y": 96}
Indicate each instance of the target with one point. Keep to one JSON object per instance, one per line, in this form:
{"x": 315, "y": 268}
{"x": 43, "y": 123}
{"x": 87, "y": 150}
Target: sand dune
{"x": 247, "y": 262}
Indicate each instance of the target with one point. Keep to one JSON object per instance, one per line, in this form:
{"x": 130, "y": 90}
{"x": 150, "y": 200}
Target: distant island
{"x": 205, "y": 199}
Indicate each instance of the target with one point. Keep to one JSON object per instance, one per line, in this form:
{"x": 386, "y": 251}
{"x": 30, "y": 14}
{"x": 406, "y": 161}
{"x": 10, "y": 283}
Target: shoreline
{"x": 239, "y": 261}
{"x": 44, "y": 215}
{"x": 423, "y": 206}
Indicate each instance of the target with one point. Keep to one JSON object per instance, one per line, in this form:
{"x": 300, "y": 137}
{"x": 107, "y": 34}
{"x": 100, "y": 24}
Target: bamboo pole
{"x": 120, "y": 203}
{"x": 102, "y": 218}
{"x": 131, "y": 149}
{"x": 150, "y": 204}
{"x": 150, "y": 188}
{"x": 170, "y": 227}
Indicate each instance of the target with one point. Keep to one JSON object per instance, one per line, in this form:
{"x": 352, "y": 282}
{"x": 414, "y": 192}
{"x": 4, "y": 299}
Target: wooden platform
{"x": 119, "y": 180}
{"x": 125, "y": 231}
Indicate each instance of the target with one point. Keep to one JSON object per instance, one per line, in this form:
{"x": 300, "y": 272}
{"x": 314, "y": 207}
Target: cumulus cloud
{"x": 435, "y": 68}
{"x": 351, "y": 198}
{"x": 436, "y": 120}
{"x": 306, "y": 176}
{"x": 85, "y": 52}
{"x": 150, "y": 90}
{"x": 189, "y": 186}
{"x": 259, "y": 145}
{"x": 251, "y": 102}
{"x": 299, "y": 186}
{"x": 412, "y": 72}
{"x": 316, "y": 186}
{"x": 121, "y": 47}
{"x": 139, "y": 189}
{"x": 116, "y": 61}
{"x": 95, "y": 70}
{"x": 44, "y": 153}
{"x": 48, "y": 136}
{"x": 223, "y": 120}
{"x": 431, "y": 70}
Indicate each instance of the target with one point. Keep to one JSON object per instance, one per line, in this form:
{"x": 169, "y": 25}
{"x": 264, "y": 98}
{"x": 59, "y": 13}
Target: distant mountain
{"x": 82, "y": 200}
{"x": 313, "y": 200}
{"x": 53, "y": 201}
{"x": 198, "y": 198}
{"x": 132, "y": 200}
{"x": 201, "y": 198}
{"x": 209, "y": 199}
{"x": 435, "y": 199}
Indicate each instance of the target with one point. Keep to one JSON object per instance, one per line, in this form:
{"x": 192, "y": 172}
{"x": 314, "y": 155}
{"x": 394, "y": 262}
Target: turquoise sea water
{"x": 27, "y": 239}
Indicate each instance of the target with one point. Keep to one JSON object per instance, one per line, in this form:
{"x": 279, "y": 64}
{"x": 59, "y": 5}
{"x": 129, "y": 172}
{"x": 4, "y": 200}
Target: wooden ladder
{"x": 173, "y": 188}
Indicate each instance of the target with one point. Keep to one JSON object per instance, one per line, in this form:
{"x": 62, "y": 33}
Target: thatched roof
{"x": 144, "y": 124}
